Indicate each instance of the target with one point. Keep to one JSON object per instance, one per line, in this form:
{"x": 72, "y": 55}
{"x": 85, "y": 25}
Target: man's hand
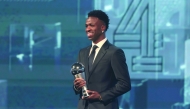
{"x": 79, "y": 83}
{"x": 93, "y": 95}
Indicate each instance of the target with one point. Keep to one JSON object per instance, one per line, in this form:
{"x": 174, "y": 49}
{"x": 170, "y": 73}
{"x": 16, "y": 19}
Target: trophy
{"x": 77, "y": 69}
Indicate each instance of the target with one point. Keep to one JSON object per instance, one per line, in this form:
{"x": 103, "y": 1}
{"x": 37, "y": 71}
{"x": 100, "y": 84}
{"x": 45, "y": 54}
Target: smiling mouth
{"x": 89, "y": 34}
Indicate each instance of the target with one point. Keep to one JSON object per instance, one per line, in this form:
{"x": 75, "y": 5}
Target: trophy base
{"x": 85, "y": 95}
{"x": 84, "y": 92}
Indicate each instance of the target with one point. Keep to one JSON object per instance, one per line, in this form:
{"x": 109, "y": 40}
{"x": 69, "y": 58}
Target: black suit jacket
{"x": 109, "y": 76}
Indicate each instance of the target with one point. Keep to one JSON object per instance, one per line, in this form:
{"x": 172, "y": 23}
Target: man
{"x": 107, "y": 75}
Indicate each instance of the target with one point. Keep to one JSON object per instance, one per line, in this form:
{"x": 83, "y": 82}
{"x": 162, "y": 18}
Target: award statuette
{"x": 77, "y": 69}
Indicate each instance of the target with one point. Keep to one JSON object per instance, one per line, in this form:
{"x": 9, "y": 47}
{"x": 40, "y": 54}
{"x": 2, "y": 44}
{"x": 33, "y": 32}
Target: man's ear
{"x": 103, "y": 27}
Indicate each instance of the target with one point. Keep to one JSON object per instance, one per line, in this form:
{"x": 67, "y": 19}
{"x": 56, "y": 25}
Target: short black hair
{"x": 100, "y": 15}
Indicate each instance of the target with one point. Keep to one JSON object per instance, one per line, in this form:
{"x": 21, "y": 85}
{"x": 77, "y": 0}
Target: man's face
{"x": 93, "y": 28}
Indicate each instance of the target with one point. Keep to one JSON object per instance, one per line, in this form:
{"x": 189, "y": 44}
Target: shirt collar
{"x": 100, "y": 44}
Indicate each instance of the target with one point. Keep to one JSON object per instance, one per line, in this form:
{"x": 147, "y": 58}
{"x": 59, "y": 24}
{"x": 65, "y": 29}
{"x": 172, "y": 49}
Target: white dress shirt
{"x": 99, "y": 44}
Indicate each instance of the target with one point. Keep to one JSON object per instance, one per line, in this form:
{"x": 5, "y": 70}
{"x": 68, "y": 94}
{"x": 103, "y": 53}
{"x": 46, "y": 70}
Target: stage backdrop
{"x": 40, "y": 40}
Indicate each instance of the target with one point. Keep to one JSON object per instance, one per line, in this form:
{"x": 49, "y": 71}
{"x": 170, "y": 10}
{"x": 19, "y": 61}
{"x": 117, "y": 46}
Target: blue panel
{"x": 147, "y": 68}
{"x": 123, "y": 37}
{"x": 148, "y": 60}
{"x": 128, "y": 44}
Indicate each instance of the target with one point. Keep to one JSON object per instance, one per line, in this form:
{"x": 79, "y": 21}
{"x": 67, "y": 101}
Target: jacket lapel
{"x": 99, "y": 56}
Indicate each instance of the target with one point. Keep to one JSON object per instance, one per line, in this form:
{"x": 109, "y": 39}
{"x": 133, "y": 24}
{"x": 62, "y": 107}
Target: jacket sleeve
{"x": 76, "y": 91}
{"x": 120, "y": 69}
